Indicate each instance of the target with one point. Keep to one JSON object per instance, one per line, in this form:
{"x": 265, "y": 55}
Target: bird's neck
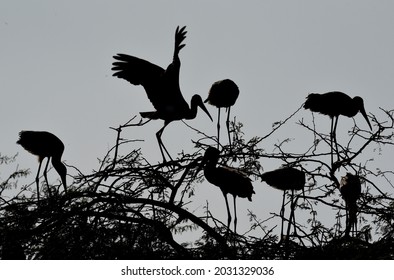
{"x": 60, "y": 168}
{"x": 209, "y": 173}
{"x": 210, "y": 165}
{"x": 192, "y": 112}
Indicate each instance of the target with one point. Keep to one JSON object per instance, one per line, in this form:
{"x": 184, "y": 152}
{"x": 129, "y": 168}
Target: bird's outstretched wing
{"x": 173, "y": 94}
{"x": 138, "y": 71}
{"x": 180, "y": 35}
{"x": 161, "y": 86}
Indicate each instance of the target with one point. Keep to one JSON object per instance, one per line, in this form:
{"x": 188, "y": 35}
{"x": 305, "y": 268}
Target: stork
{"x": 334, "y": 104}
{"x": 223, "y": 94}
{"x": 229, "y": 180}
{"x": 44, "y": 145}
{"x": 286, "y": 178}
{"x": 350, "y": 189}
{"x": 161, "y": 86}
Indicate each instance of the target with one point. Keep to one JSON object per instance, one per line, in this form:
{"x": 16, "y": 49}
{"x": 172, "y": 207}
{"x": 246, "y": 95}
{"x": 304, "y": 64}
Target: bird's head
{"x": 359, "y": 103}
{"x": 61, "y": 170}
{"x": 250, "y": 195}
{"x": 211, "y": 155}
{"x": 197, "y": 101}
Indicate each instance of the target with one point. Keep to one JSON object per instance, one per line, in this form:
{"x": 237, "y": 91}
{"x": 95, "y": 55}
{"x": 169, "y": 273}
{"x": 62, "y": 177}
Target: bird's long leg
{"x": 335, "y": 136}
{"x": 347, "y": 229}
{"x": 235, "y": 214}
{"x": 161, "y": 145}
{"x": 282, "y": 214}
{"x": 353, "y": 217}
{"x": 46, "y": 178}
{"x": 290, "y": 222}
{"x": 218, "y": 128}
{"x": 38, "y": 180}
{"x": 228, "y": 211}
{"x": 331, "y": 141}
{"x": 293, "y": 206}
{"x": 291, "y": 215}
{"x": 45, "y": 172}
{"x": 355, "y": 223}
{"x": 228, "y": 126}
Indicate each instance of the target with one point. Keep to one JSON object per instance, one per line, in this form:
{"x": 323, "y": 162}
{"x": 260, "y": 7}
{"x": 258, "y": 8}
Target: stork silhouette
{"x": 229, "y": 180}
{"x": 286, "y": 178}
{"x": 350, "y": 189}
{"x": 334, "y": 104}
{"x": 44, "y": 145}
{"x": 223, "y": 94}
{"x": 161, "y": 86}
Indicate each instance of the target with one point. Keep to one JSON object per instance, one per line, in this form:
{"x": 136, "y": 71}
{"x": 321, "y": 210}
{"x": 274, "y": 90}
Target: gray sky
{"x": 56, "y": 56}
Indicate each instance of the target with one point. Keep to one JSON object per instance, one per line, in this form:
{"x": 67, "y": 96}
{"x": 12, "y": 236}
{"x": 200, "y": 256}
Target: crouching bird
{"x": 44, "y": 145}
{"x": 350, "y": 188}
{"x": 229, "y": 180}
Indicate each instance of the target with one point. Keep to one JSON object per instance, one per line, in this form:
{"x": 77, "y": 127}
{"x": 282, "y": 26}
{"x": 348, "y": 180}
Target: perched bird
{"x": 223, "y": 94}
{"x": 350, "y": 188}
{"x": 229, "y": 180}
{"x": 161, "y": 86}
{"x": 286, "y": 178}
{"x": 44, "y": 144}
{"x": 334, "y": 104}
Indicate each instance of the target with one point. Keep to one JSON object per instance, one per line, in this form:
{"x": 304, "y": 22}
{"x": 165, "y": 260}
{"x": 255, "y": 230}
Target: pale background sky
{"x": 55, "y": 73}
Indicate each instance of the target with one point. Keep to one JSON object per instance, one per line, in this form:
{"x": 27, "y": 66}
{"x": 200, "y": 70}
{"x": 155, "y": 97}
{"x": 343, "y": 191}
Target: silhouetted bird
{"x": 350, "y": 188}
{"x": 223, "y": 94}
{"x": 334, "y": 104}
{"x": 286, "y": 178}
{"x": 44, "y": 144}
{"x": 229, "y": 180}
{"x": 161, "y": 86}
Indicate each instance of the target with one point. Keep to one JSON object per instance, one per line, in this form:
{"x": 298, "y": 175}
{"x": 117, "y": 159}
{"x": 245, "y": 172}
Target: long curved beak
{"x": 362, "y": 111}
{"x": 202, "y": 106}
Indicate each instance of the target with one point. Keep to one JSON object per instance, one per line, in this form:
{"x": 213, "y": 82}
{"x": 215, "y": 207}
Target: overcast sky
{"x": 56, "y": 56}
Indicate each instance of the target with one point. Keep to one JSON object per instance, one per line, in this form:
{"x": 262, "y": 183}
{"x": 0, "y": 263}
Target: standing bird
{"x": 44, "y": 144}
{"x": 229, "y": 180}
{"x": 333, "y": 104}
{"x": 223, "y": 94}
{"x": 161, "y": 86}
{"x": 350, "y": 188}
{"x": 286, "y": 178}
